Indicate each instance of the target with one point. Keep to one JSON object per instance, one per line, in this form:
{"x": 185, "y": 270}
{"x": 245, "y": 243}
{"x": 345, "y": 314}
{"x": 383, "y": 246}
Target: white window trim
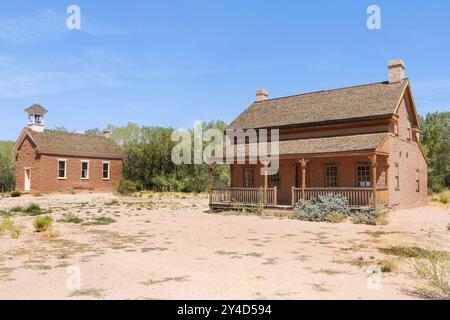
{"x": 65, "y": 169}
{"x": 88, "y": 169}
{"x": 109, "y": 170}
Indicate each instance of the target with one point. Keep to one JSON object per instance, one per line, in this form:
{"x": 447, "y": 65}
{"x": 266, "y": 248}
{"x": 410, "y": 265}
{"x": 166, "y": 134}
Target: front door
{"x": 27, "y": 186}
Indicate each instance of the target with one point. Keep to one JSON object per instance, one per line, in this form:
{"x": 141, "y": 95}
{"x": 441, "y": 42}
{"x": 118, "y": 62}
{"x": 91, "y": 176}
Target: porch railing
{"x": 355, "y": 196}
{"x": 243, "y": 196}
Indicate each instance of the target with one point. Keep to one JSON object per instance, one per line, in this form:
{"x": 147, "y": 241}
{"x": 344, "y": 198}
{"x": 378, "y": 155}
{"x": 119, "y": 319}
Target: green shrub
{"x": 34, "y": 210}
{"x": 71, "y": 219}
{"x": 126, "y": 187}
{"x": 15, "y": 194}
{"x": 318, "y": 210}
{"x": 335, "y": 217}
{"x": 444, "y": 198}
{"x": 368, "y": 216}
{"x": 100, "y": 221}
{"x": 42, "y": 223}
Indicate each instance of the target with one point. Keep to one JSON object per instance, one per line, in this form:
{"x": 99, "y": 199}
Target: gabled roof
{"x": 36, "y": 109}
{"x": 350, "y": 143}
{"x": 71, "y": 144}
{"x": 365, "y": 101}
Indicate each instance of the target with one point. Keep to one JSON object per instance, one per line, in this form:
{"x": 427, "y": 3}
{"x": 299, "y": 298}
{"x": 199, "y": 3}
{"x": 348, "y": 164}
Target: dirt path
{"x": 169, "y": 247}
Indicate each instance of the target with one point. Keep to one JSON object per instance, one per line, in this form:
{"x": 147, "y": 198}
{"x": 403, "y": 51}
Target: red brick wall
{"x": 410, "y": 159}
{"x": 27, "y": 158}
{"x": 44, "y": 172}
{"x": 51, "y": 183}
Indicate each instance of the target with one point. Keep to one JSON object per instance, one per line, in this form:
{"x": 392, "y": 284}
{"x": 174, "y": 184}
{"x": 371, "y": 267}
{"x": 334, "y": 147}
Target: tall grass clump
{"x": 42, "y": 224}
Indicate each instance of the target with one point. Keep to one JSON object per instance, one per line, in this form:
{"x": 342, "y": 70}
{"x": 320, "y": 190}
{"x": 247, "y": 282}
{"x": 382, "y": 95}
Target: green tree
{"x": 7, "y": 165}
{"x": 435, "y": 138}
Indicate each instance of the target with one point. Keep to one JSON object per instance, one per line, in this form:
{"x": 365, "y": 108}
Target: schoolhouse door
{"x": 27, "y": 186}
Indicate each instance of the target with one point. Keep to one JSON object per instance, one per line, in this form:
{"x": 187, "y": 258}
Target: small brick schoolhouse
{"x": 49, "y": 161}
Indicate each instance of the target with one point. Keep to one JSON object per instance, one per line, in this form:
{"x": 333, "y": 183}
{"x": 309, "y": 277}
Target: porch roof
{"x": 351, "y": 143}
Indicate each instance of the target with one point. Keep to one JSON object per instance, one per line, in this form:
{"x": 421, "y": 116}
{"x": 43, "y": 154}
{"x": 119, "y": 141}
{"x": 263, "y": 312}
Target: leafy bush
{"x": 42, "y": 223}
{"x": 71, "y": 219}
{"x": 34, "y": 210}
{"x": 368, "y": 216}
{"x": 444, "y": 198}
{"x": 15, "y": 194}
{"x": 126, "y": 187}
{"x": 318, "y": 210}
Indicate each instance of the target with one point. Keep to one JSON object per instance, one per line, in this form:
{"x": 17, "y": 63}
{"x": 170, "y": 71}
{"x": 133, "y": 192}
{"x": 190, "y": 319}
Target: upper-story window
{"x": 396, "y": 128}
{"x": 409, "y": 133}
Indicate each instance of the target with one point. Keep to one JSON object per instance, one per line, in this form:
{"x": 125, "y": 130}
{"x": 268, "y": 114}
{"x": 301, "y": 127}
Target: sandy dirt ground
{"x": 170, "y": 247}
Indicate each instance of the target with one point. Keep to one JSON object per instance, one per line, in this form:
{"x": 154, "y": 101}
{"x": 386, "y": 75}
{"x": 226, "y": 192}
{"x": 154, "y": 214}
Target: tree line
{"x": 147, "y": 157}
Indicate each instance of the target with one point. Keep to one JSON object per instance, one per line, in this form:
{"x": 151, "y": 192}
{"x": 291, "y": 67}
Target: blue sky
{"x": 169, "y": 63}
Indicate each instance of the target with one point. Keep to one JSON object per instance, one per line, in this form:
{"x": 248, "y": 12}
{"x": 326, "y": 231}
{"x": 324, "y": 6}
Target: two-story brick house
{"x": 361, "y": 142}
{"x": 55, "y": 161}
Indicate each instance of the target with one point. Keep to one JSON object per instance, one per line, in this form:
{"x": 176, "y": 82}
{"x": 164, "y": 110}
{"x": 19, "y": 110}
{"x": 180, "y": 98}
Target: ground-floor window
{"x": 418, "y": 180}
{"x": 62, "y": 168}
{"x": 397, "y": 176}
{"x": 331, "y": 175}
{"x": 106, "y": 170}
{"x": 85, "y": 170}
{"x": 275, "y": 180}
{"x": 249, "y": 178}
{"x": 363, "y": 176}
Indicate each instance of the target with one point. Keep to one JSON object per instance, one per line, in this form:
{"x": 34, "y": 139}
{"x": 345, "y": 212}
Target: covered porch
{"x": 360, "y": 177}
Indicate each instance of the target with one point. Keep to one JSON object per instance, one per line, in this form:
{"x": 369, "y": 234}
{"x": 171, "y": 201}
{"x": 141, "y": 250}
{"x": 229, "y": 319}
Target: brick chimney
{"x": 261, "y": 95}
{"x": 107, "y": 133}
{"x": 396, "y": 70}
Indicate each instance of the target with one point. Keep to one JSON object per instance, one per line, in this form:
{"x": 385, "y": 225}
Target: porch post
{"x": 266, "y": 181}
{"x": 210, "y": 172}
{"x": 303, "y": 163}
{"x": 374, "y": 179}
{"x": 387, "y": 165}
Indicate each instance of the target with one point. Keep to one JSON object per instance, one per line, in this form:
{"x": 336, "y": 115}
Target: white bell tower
{"x": 36, "y": 115}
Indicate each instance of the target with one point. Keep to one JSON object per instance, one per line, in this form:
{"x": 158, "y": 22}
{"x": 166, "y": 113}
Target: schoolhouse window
{"x": 106, "y": 170}
{"x": 397, "y": 176}
{"x": 363, "y": 175}
{"x": 85, "y": 170}
{"x": 62, "y": 168}
{"x": 331, "y": 175}
{"x": 249, "y": 180}
{"x": 275, "y": 180}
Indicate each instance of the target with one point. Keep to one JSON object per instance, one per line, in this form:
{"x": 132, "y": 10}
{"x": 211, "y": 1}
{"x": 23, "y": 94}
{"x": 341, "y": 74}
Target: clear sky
{"x": 169, "y": 63}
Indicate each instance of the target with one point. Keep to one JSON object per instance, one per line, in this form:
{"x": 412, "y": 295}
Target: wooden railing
{"x": 356, "y": 196}
{"x": 243, "y": 196}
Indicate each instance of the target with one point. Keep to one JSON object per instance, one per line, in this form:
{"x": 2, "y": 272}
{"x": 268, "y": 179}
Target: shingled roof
{"x": 351, "y": 143}
{"x": 363, "y": 101}
{"x": 36, "y": 109}
{"x": 67, "y": 143}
